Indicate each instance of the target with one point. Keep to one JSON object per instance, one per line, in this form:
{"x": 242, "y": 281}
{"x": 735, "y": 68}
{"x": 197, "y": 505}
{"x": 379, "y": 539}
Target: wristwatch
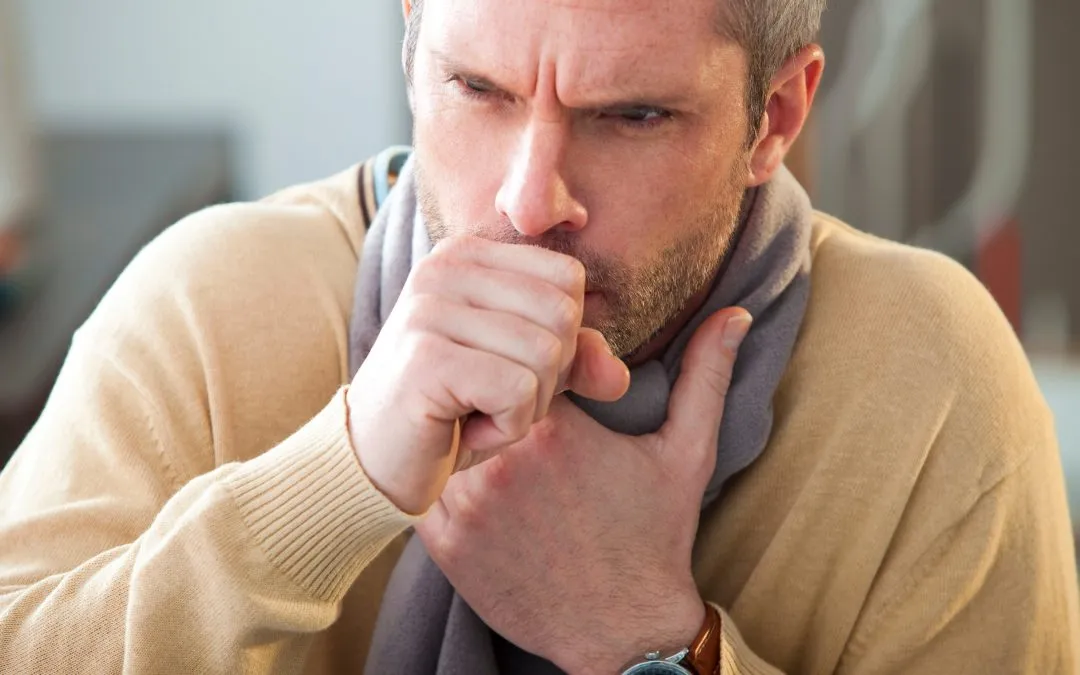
{"x": 702, "y": 657}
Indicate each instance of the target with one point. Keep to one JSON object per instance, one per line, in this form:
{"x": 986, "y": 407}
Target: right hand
{"x": 482, "y": 329}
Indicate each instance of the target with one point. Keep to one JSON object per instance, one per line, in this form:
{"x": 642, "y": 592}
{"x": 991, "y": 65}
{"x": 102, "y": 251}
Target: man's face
{"x": 610, "y": 130}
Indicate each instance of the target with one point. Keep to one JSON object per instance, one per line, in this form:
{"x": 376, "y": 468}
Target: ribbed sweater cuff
{"x": 310, "y": 506}
{"x": 736, "y": 657}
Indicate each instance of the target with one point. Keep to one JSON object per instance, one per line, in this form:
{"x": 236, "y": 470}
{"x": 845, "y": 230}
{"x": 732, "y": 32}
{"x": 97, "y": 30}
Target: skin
{"x": 581, "y": 166}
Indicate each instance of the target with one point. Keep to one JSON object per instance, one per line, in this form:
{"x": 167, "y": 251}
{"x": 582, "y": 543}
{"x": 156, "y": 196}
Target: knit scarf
{"x": 424, "y": 627}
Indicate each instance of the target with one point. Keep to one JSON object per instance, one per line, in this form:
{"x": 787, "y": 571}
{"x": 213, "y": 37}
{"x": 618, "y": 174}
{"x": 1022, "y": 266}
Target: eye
{"x": 643, "y": 116}
{"x": 471, "y": 88}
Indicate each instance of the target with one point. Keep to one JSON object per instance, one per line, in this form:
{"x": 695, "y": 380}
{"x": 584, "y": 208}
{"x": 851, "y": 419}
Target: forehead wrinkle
{"x": 623, "y": 65}
{"x": 551, "y": 59}
{"x": 617, "y": 75}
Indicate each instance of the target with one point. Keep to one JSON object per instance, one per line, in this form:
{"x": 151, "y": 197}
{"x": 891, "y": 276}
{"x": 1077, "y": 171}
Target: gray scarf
{"x": 424, "y": 627}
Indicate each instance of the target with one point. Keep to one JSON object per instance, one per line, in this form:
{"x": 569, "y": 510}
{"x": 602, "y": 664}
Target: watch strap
{"x": 704, "y": 655}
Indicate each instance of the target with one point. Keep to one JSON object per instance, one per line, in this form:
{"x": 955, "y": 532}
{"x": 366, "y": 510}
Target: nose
{"x": 534, "y": 195}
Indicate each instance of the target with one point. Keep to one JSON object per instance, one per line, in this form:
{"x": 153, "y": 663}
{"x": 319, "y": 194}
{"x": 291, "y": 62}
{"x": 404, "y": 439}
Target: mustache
{"x": 600, "y": 271}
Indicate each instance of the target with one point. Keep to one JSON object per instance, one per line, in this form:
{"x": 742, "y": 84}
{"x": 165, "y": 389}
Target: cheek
{"x": 462, "y": 160}
{"x": 640, "y": 207}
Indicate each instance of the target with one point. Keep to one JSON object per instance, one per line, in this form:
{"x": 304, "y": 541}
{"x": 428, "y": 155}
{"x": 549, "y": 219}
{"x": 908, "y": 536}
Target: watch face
{"x": 657, "y": 668}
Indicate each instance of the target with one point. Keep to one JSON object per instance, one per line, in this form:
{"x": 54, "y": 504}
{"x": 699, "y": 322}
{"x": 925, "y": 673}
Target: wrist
{"x": 401, "y": 484}
{"x": 411, "y": 481}
{"x": 668, "y": 627}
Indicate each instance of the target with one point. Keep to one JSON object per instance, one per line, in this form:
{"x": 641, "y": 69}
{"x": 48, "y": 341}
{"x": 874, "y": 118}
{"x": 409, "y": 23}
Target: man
{"x": 873, "y": 487}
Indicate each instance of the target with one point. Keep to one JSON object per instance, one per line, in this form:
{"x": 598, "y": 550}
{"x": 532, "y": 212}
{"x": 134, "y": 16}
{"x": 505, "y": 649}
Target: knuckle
{"x": 422, "y": 275}
{"x": 575, "y": 273}
{"x": 445, "y": 547}
{"x": 548, "y": 350}
{"x": 699, "y": 462}
{"x": 545, "y": 434}
{"x": 460, "y": 246}
{"x": 421, "y": 348}
{"x": 521, "y": 400}
{"x": 720, "y": 379}
{"x": 420, "y": 311}
{"x": 520, "y": 424}
{"x": 430, "y": 273}
{"x": 523, "y": 388}
{"x": 468, "y": 510}
{"x": 447, "y": 247}
{"x": 566, "y": 314}
{"x": 498, "y": 474}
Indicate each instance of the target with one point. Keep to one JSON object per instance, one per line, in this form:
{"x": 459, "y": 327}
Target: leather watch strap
{"x": 704, "y": 656}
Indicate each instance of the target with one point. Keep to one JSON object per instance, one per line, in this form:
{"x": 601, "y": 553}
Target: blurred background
{"x": 946, "y": 123}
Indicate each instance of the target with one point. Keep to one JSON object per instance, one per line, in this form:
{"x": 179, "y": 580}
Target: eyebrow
{"x": 613, "y": 102}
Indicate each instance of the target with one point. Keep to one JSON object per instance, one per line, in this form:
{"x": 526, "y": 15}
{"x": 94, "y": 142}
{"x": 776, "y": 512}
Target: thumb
{"x": 596, "y": 373}
{"x": 697, "y": 399}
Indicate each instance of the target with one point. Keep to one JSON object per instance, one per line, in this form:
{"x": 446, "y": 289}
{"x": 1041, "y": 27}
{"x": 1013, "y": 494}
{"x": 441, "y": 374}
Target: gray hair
{"x": 771, "y": 32}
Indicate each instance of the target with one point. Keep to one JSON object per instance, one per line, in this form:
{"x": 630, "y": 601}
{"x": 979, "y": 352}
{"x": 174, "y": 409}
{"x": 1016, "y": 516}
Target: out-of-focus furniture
{"x": 104, "y": 196}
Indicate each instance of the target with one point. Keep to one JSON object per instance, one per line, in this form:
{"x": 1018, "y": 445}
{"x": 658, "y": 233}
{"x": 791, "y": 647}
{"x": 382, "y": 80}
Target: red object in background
{"x": 9, "y": 251}
{"x": 999, "y": 265}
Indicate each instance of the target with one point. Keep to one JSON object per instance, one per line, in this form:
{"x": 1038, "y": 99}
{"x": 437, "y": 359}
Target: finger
{"x": 563, "y": 271}
{"x": 697, "y": 400}
{"x": 465, "y": 457}
{"x": 465, "y": 380}
{"x": 596, "y": 373}
{"x": 498, "y": 333}
{"x": 481, "y": 438}
{"x": 471, "y": 458}
{"x": 529, "y": 298}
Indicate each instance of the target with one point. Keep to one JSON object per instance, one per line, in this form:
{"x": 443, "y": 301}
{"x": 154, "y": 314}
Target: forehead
{"x": 586, "y": 42}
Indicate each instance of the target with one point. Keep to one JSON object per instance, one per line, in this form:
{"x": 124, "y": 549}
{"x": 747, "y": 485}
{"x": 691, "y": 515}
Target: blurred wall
{"x": 308, "y": 88}
{"x": 1048, "y": 217}
{"x": 905, "y": 169}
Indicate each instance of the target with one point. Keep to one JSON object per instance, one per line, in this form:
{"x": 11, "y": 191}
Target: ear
{"x": 791, "y": 95}
{"x": 407, "y": 9}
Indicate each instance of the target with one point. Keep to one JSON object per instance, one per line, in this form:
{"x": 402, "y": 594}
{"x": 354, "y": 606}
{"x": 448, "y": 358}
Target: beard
{"x": 639, "y": 300}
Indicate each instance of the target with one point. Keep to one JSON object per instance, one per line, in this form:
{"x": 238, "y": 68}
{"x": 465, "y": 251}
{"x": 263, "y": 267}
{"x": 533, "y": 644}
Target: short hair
{"x": 771, "y": 32}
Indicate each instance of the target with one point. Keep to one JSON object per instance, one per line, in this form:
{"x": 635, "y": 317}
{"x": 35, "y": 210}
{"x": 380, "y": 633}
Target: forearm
{"x": 234, "y": 574}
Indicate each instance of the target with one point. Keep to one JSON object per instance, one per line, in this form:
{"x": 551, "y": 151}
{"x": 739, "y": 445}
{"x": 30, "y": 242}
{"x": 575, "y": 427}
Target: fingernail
{"x": 736, "y": 329}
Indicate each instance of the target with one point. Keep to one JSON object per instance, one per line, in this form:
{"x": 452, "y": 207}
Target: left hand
{"x": 575, "y": 543}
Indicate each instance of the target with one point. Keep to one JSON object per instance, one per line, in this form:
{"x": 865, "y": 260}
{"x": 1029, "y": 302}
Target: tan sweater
{"x": 189, "y": 501}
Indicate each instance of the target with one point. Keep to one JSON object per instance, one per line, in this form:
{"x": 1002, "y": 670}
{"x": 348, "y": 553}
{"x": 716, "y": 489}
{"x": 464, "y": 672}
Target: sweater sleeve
{"x": 189, "y": 500}
{"x": 736, "y": 657}
{"x": 234, "y": 572}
